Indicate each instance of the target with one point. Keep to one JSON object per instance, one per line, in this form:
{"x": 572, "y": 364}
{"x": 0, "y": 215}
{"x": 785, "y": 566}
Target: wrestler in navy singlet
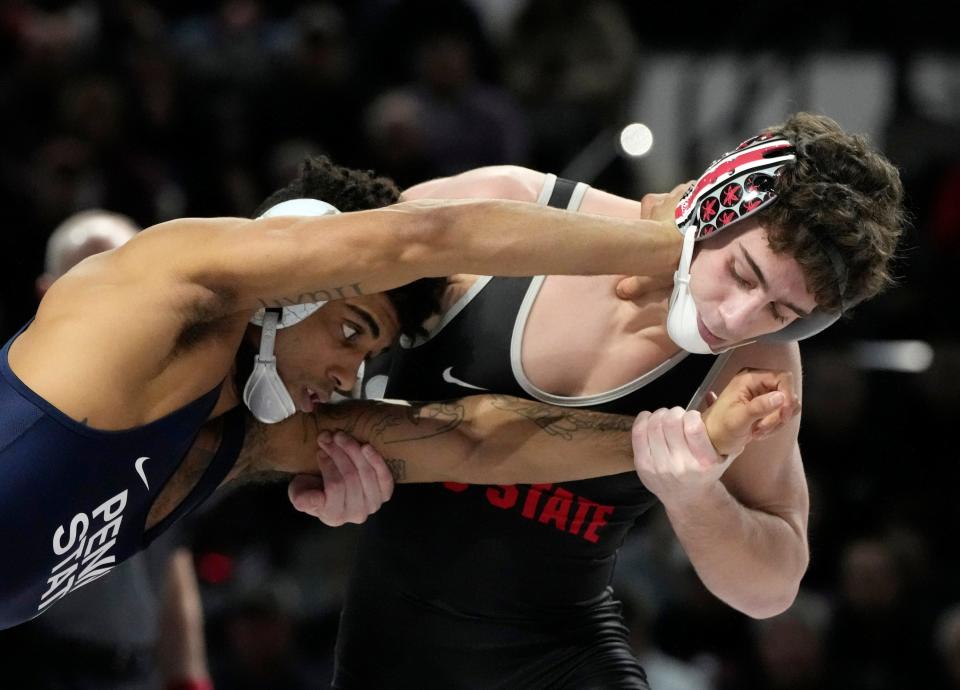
{"x": 74, "y": 500}
{"x": 464, "y": 586}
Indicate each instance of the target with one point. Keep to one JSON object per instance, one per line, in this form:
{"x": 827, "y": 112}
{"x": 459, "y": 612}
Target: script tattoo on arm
{"x": 320, "y": 295}
{"x": 564, "y": 423}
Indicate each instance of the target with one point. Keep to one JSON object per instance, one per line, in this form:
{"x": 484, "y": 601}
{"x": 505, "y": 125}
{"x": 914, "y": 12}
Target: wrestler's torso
{"x": 494, "y": 580}
{"x": 101, "y": 450}
{"x": 75, "y": 501}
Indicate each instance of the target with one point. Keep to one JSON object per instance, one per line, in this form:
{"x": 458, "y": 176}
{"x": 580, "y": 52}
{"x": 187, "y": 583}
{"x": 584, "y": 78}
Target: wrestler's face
{"x": 742, "y": 289}
{"x": 322, "y": 353}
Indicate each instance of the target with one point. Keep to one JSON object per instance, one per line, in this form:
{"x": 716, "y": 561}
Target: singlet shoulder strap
{"x": 231, "y": 442}
{"x": 558, "y": 192}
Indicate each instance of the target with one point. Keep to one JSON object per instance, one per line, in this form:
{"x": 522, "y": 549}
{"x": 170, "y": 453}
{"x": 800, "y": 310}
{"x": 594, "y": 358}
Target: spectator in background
{"x": 81, "y": 235}
{"x": 878, "y": 638}
{"x": 141, "y": 624}
{"x": 313, "y": 91}
{"x": 226, "y": 56}
{"x": 448, "y": 119}
{"x": 259, "y": 629}
{"x": 396, "y": 136}
{"x": 571, "y": 63}
{"x": 698, "y": 628}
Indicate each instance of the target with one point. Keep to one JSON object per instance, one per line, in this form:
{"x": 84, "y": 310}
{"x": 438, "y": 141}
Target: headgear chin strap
{"x": 265, "y": 394}
{"x": 734, "y": 187}
{"x": 682, "y": 314}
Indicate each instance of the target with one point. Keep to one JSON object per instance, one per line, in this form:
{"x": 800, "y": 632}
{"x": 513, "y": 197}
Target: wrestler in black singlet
{"x": 483, "y": 587}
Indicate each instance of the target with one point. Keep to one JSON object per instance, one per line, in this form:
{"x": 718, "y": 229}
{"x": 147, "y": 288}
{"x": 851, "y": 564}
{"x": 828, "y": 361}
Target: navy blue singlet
{"x": 74, "y": 500}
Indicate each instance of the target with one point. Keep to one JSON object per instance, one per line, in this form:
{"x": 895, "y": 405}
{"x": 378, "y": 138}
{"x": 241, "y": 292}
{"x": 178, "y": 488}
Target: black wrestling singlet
{"x": 483, "y": 587}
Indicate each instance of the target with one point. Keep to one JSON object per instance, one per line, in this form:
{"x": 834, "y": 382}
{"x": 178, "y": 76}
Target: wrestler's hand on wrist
{"x": 674, "y": 457}
{"x": 755, "y": 404}
{"x": 353, "y": 482}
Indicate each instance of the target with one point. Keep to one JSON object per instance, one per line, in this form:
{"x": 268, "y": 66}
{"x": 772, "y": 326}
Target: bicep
{"x": 769, "y": 475}
{"x": 286, "y": 260}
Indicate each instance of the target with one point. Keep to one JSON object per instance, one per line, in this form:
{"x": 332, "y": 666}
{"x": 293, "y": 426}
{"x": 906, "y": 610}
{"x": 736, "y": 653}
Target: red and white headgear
{"x": 736, "y": 186}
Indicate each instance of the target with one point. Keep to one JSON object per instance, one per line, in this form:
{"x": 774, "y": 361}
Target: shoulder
{"x": 490, "y": 182}
{"x": 121, "y": 350}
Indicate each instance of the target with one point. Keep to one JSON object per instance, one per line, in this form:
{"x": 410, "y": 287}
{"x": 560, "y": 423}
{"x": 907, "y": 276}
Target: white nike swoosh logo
{"x": 138, "y": 466}
{"x": 450, "y": 378}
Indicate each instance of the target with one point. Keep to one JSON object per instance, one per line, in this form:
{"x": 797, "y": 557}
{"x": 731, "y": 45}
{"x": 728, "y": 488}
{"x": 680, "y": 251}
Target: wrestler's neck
{"x": 230, "y": 393}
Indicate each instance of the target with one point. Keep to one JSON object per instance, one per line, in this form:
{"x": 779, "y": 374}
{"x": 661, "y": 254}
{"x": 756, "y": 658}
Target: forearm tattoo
{"x": 383, "y": 423}
{"x": 564, "y": 423}
{"x": 321, "y": 295}
{"x": 253, "y": 455}
{"x": 397, "y": 467}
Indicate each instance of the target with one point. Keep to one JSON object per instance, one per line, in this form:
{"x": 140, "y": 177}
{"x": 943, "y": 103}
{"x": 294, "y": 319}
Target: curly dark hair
{"x": 358, "y": 190}
{"x": 839, "y": 192}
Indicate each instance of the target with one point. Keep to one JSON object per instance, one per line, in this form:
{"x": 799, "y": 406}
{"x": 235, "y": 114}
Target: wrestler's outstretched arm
{"x": 278, "y": 261}
{"x": 495, "y": 439}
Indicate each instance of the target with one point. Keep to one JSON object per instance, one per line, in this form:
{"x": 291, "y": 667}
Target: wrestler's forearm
{"x": 751, "y": 559}
{"x": 487, "y": 439}
{"x": 518, "y": 238}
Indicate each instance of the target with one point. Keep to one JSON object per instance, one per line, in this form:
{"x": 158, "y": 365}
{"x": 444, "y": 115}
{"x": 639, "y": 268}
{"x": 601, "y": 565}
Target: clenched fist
{"x": 679, "y": 454}
{"x": 755, "y": 404}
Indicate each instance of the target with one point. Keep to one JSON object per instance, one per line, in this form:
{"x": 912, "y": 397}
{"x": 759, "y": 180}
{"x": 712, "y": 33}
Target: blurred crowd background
{"x": 162, "y": 110}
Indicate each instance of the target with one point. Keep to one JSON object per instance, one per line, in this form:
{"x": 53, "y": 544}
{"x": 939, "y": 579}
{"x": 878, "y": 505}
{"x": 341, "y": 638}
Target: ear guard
{"x": 734, "y": 187}
{"x": 265, "y": 394}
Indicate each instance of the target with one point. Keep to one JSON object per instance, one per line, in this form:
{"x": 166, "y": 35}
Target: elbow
{"x": 781, "y": 594}
{"x": 482, "y": 460}
{"x": 771, "y": 606}
{"x": 474, "y": 467}
{"x": 424, "y": 233}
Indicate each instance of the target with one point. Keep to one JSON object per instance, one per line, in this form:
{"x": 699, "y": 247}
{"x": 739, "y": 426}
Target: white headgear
{"x": 265, "y": 394}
